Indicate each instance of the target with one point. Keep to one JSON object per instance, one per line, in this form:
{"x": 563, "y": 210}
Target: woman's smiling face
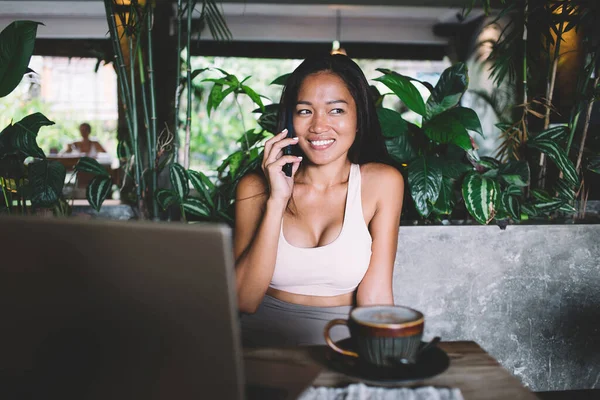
{"x": 325, "y": 119}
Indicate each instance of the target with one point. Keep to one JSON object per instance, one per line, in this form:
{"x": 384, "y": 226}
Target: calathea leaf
{"x": 564, "y": 190}
{"x": 481, "y": 196}
{"x": 559, "y": 156}
{"x": 98, "y": 190}
{"x": 17, "y": 41}
{"x": 445, "y": 128}
{"x": 541, "y": 195}
{"x": 405, "y": 90}
{"x": 447, "y": 199}
{"x": 511, "y": 205}
{"x": 91, "y": 165}
{"x": 447, "y": 92}
{"x": 489, "y": 162}
{"x": 47, "y": 179}
{"x": 166, "y": 197}
{"x": 424, "y": 181}
{"x": 513, "y": 190}
{"x": 203, "y": 185}
{"x": 515, "y": 173}
{"x": 549, "y": 206}
{"x": 196, "y": 207}
{"x": 23, "y": 136}
{"x": 179, "y": 180}
{"x": 556, "y": 133}
{"x": 11, "y": 167}
{"x": 400, "y": 148}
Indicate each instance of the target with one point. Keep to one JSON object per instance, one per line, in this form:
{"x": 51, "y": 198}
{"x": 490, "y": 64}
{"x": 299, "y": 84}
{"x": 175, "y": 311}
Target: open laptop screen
{"x": 107, "y": 310}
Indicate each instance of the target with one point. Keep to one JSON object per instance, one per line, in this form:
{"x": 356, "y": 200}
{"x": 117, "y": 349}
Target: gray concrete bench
{"x": 529, "y": 295}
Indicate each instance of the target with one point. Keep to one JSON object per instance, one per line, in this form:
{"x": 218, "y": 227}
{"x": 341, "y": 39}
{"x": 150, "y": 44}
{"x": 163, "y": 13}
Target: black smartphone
{"x": 287, "y": 150}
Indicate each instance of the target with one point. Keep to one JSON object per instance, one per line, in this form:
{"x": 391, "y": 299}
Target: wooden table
{"x": 477, "y": 374}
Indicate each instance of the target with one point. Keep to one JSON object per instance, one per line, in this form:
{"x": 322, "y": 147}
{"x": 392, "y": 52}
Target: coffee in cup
{"x": 383, "y": 336}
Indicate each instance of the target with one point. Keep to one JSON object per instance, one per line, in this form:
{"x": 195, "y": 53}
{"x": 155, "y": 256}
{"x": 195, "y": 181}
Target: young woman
{"x": 310, "y": 246}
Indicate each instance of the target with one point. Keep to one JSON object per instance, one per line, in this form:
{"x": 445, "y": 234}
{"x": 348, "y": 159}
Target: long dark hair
{"x": 369, "y": 145}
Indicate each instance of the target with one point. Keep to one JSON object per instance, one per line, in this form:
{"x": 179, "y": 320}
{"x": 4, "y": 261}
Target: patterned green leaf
{"x": 447, "y": 92}
{"x": 424, "y": 181}
{"x": 559, "y": 156}
{"x": 564, "y": 190}
{"x": 515, "y": 173}
{"x": 392, "y": 123}
{"x": 196, "y": 207}
{"x": 179, "y": 180}
{"x": 166, "y": 197}
{"x": 445, "y": 128}
{"x": 91, "y": 165}
{"x": 22, "y": 136}
{"x": 97, "y": 191}
{"x": 17, "y": 41}
{"x": 513, "y": 190}
{"x": 405, "y": 90}
{"x": 549, "y": 206}
{"x": 556, "y": 133}
{"x": 203, "y": 185}
{"x": 511, "y": 205}
{"x": 46, "y": 179}
{"x": 541, "y": 195}
{"x": 447, "y": 199}
{"x": 489, "y": 162}
{"x": 481, "y": 195}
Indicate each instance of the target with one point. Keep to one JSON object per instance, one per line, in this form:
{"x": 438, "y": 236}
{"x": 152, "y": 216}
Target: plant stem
{"x": 242, "y": 120}
{"x": 177, "y": 85}
{"x": 4, "y": 193}
{"x": 152, "y": 145}
{"x": 550, "y": 91}
{"x": 586, "y": 125}
{"x": 183, "y": 217}
{"x": 139, "y": 187}
{"x": 188, "y": 121}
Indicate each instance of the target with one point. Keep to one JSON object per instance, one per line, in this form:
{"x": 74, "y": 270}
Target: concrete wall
{"x": 529, "y": 295}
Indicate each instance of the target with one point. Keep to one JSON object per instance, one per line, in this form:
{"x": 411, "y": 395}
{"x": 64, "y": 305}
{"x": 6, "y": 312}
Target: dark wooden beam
{"x": 294, "y": 50}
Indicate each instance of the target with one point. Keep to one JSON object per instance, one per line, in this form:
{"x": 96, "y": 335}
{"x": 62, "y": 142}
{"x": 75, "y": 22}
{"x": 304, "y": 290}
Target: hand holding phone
{"x": 287, "y": 150}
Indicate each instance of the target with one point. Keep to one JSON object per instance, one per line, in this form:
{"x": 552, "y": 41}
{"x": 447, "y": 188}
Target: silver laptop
{"x": 117, "y": 310}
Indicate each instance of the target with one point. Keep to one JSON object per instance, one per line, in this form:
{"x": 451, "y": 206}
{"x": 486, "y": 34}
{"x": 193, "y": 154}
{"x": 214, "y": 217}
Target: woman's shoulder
{"x": 252, "y": 184}
{"x": 378, "y": 174}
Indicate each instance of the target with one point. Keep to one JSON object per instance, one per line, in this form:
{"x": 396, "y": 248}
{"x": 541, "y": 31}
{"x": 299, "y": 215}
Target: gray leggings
{"x": 279, "y": 323}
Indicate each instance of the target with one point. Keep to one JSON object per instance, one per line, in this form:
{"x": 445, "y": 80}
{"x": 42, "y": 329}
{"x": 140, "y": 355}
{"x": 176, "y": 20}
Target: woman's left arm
{"x": 388, "y": 190}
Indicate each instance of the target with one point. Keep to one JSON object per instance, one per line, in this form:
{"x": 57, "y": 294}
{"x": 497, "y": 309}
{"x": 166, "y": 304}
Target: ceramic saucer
{"x": 431, "y": 362}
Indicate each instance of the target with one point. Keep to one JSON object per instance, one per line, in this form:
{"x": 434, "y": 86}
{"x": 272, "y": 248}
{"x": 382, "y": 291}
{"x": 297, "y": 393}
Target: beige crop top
{"x": 336, "y": 268}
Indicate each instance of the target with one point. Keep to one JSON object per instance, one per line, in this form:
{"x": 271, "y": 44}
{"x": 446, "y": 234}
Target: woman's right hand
{"x": 280, "y": 185}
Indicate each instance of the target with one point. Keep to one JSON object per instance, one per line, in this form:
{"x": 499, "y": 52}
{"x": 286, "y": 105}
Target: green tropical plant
{"x": 146, "y": 152}
{"x": 442, "y": 165}
{"x": 26, "y": 175}
{"x": 528, "y": 54}
{"x": 214, "y": 201}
